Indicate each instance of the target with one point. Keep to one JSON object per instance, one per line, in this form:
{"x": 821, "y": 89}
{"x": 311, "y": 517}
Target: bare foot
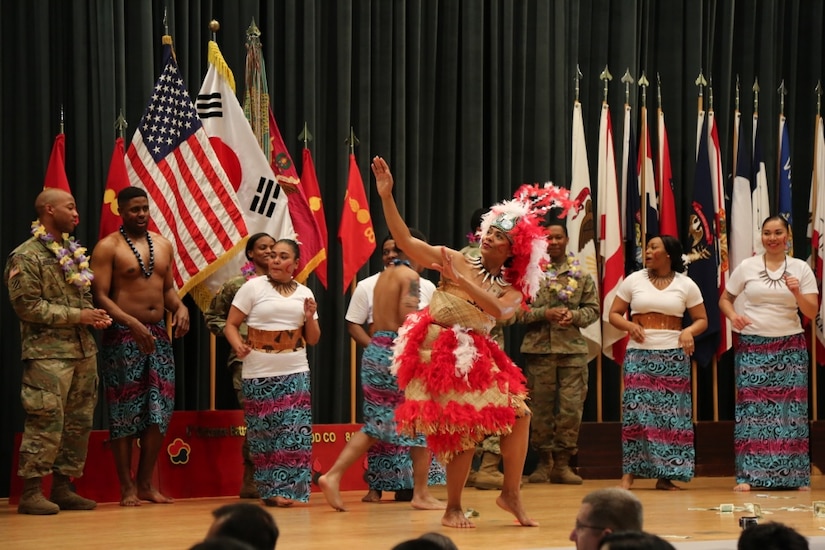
{"x": 129, "y": 497}
{"x": 454, "y": 517}
{"x": 511, "y": 502}
{"x": 627, "y": 481}
{"x": 372, "y": 495}
{"x": 331, "y": 489}
{"x": 742, "y": 488}
{"x": 153, "y": 495}
{"x": 280, "y": 502}
{"x": 426, "y": 501}
{"x": 667, "y": 485}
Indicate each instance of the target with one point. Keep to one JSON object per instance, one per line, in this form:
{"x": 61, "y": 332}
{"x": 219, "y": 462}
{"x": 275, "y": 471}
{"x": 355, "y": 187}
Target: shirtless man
{"x": 133, "y": 283}
{"x": 396, "y": 296}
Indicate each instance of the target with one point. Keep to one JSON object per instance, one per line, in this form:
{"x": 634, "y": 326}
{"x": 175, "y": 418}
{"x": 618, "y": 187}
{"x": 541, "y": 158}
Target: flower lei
{"x": 72, "y": 260}
{"x": 248, "y": 270}
{"x": 574, "y": 274}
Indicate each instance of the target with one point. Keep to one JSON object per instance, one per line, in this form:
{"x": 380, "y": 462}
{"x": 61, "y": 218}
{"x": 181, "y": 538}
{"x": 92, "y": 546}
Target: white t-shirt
{"x": 681, "y": 294}
{"x": 360, "y": 305}
{"x": 764, "y": 298}
{"x": 265, "y": 309}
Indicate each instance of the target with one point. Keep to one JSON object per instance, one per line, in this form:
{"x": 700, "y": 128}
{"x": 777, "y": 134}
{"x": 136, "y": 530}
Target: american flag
{"x": 192, "y": 202}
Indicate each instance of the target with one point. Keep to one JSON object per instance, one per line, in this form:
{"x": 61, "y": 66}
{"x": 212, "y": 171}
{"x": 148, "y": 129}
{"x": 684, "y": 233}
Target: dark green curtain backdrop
{"x": 466, "y": 99}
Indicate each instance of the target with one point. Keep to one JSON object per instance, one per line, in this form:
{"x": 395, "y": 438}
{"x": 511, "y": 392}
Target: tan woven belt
{"x": 658, "y": 321}
{"x": 275, "y": 341}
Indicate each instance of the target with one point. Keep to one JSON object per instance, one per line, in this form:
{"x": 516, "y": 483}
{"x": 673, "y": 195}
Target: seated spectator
{"x": 634, "y": 540}
{"x": 771, "y": 536}
{"x": 602, "y": 512}
{"x": 244, "y": 522}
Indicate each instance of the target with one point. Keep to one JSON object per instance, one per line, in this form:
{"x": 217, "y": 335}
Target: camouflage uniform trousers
{"x": 557, "y": 383}
{"x": 59, "y": 397}
{"x": 237, "y": 384}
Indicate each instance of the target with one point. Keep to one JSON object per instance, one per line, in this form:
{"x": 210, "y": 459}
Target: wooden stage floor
{"x": 683, "y": 517}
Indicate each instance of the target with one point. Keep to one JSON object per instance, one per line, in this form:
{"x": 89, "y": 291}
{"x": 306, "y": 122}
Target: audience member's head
{"x": 221, "y": 543}
{"x": 634, "y": 540}
{"x": 427, "y": 541}
{"x": 771, "y": 536}
{"x": 245, "y": 522}
{"x": 444, "y": 542}
{"x": 602, "y": 512}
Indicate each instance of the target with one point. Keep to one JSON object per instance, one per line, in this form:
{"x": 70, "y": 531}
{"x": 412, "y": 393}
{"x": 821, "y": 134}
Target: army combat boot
{"x": 64, "y": 496}
{"x": 542, "y": 472}
{"x": 561, "y": 472}
{"x": 488, "y": 476}
{"x": 32, "y": 500}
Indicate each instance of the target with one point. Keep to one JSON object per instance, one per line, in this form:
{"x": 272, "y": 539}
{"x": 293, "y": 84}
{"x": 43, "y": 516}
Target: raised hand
{"x": 383, "y": 177}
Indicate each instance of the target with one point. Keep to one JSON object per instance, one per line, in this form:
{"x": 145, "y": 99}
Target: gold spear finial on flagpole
{"x": 701, "y": 82}
{"x": 352, "y": 141}
{"x": 755, "y": 96}
{"x": 305, "y": 136}
{"x": 628, "y": 80}
{"x": 782, "y": 91}
{"x": 577, "y": 78}
{"x": 606, "y": 77}
{"x": 120, "y": 123}
{"x": 644, "y": 83}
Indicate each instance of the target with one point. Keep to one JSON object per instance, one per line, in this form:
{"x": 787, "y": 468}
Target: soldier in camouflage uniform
{"x": 259, "y": 249}
{"x": 49, "y": 288}
{"x": 556, "y": 359}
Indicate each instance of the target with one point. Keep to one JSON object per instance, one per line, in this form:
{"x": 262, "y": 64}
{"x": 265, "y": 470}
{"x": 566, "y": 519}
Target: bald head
{"x": 50, "y": 196}
{"x": 56, "y": 210}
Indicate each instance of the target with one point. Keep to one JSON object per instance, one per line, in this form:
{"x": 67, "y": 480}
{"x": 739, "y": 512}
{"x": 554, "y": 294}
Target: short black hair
{"x": 247, "y": 523}
{"x": 128, "y": 193}
{"x": 771, "y": 536}
{"x": 558, "y": 223}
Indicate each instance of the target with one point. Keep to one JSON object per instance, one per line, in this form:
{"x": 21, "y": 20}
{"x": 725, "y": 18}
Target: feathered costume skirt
{"x": 459, "y": 386}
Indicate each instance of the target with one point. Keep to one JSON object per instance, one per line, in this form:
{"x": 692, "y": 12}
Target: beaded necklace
{"x": 574, "y": 274}
{"x": 146, "y": 272}
{"x": 72, "y": 260}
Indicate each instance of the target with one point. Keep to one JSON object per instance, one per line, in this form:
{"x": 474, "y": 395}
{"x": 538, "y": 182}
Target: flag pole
{"x": 643, "y": 83}
{"x": 714, "y": 365}
{"x": 815, "y": 254}
{"x": 352, "y": 141}
{"x": 214, "y": 26}
{"x": 606, "y": 77}
{"x": 694, "y": 370}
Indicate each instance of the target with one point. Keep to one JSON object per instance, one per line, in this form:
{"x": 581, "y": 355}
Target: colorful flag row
{"x": 215, "y": 175}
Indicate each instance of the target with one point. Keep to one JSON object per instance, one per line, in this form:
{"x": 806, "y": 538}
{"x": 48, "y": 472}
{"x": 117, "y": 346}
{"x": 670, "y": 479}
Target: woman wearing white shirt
{"x": 282, "y": 320}
{"x": 657, "y": 427}
{"x": 771, "y": 361}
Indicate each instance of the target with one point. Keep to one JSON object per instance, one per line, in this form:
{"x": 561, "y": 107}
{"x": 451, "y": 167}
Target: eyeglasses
{"x": 580, "y": 526}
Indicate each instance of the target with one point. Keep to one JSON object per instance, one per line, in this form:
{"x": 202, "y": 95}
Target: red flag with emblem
{"x": 117, "y": 179}
{"x": 356, "y": 232}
